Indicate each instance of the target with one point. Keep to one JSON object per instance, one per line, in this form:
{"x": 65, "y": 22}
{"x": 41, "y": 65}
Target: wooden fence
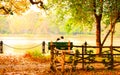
{"x": 84, "y": 57}
{"x": 1, "y": 46}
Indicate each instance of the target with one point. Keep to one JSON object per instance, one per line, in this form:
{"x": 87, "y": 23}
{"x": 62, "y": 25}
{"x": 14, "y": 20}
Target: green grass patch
{"x": 36, "y": 55}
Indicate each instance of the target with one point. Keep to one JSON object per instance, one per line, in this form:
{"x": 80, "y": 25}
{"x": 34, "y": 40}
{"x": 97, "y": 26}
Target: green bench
{"x": 61, "y": 45}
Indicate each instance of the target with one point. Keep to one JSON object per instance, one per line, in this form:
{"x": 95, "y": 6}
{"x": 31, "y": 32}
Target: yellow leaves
{"x": 20, "y": 6}
{"x": 1, "y": 4}
{"x": 2, "y": 12}
{"x": 15, "y": 6}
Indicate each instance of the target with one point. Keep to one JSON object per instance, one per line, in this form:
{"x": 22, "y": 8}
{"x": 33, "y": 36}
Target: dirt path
{"x": 18, "y": 65}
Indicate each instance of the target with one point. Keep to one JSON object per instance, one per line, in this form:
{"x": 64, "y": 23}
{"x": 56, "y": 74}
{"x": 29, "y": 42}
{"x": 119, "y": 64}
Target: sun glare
{"x": 35, "y": 8}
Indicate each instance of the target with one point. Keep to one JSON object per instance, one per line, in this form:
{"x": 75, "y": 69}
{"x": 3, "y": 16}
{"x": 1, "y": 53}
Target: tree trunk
{"x": 112, "y": 24}
{"x": 98, "y": 33}
{"x": 98, "y": 18}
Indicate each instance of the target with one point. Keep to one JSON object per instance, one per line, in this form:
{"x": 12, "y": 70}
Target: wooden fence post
{"x": 68, "y": 46}
{"x": 83, "y": 62}
{"x": 85, "y": 52}
{"x": 43, "y": 47}
{"x": 63, "y": 62}
{"x": 1, "y": 46}
{"x": 52, "y": 56}
{"x": 112, "y": 59}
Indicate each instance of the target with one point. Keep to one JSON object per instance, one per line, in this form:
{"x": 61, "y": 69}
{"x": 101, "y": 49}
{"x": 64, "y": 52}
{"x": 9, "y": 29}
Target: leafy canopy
{"x": 75, "y": 15}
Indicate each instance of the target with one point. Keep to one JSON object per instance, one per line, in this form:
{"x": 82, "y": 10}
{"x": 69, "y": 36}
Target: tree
{"x": 80, "y": 12}
{"x": 17, "y": 6}
{"x": 72, "y": 13}
{"x": 112, "y": 8}
{"x": 97, "y": 11}
{"x": 114, "y": 15}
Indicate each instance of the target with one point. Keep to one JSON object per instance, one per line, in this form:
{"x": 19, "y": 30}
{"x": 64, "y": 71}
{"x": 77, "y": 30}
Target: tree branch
{"x": 32, "y": 2}
{"x": 37, "y": 2}
{"x": 4, "y": 9}
{"x": 94, "y": 8}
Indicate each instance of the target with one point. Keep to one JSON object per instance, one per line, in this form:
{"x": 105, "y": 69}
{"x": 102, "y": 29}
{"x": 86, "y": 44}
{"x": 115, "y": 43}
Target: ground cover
{"x": 36, "y": 64}
{"x": 27, "y": 65}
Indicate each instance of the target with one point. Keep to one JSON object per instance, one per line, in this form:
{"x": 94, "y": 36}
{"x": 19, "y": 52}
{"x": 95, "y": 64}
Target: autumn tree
{"x": 13, "y": 6}
{"x": 17, "y": 6}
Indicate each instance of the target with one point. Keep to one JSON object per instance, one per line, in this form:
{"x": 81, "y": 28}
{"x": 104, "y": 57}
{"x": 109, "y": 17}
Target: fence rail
{"x": 86, "y": 57}
{"x": 97, "y": 46}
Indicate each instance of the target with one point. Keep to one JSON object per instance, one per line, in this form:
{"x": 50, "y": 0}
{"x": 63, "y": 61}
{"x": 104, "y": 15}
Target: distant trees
{"x": 4, "y": 27}
{"x": 30, "y": 23}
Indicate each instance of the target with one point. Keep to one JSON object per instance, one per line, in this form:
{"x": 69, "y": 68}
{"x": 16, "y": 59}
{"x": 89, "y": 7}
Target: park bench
{"x": 61, "y": 45}
{"x": 58, "y": 52}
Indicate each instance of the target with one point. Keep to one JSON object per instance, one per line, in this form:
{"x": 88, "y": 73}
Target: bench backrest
{"x": 61, "y": 45}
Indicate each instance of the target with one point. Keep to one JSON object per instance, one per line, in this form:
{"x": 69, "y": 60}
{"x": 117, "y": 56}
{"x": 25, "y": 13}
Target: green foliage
{"x": 74, "y": 60}
{"x": 109, "y": 61}
{"x": 91, "y": 58}
{"x": 71, "y": 15}
{"x": 77, "y": 16}
{"x": 35, "y": 53}
{"x": 90, "y": 68}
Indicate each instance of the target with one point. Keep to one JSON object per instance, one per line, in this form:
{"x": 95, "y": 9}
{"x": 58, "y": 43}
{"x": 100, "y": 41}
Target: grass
{"x": 36, "y": 55}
